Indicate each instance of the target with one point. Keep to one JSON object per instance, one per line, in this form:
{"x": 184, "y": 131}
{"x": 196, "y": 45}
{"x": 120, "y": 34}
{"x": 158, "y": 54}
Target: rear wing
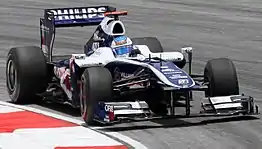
{"x": 68, "y": 17}
{"x": 77, "y": 16}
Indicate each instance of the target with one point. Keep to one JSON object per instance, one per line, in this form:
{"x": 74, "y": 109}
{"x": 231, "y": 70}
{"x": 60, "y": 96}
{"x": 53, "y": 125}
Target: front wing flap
{"x": 231, "y": 105}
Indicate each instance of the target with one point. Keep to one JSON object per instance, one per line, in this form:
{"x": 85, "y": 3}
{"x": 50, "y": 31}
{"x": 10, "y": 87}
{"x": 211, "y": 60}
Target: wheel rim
{"x": 83, "y": 104}
{"x": 11, "y": 76}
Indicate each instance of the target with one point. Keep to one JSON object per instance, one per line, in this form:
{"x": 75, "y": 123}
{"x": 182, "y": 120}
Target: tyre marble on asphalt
{"x": 213, "y": 28}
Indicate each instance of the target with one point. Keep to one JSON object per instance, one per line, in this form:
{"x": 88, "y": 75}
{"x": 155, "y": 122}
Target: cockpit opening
{"x": 118, "y": 29}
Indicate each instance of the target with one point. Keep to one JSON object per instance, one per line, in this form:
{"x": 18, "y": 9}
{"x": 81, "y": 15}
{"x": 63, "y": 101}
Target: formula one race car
{"x": 116, "y": 77}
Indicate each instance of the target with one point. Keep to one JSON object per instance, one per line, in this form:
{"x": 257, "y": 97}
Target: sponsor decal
{"x": 183, "y": 81}
{"x": 110, "y": 116}
{"x": 109, "y": 108}
{"x": 167, "y": 70}
{"x": 178, "y": 76}
{"x": 175, "y": 72}
{"x": 120, "y": 40}
{"x": 78, "y": 13}
{"x": 164, "y": 67}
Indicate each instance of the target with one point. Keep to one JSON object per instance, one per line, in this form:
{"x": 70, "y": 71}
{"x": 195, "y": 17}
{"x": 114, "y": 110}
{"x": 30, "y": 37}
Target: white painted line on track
{"x": 128, "y": 140}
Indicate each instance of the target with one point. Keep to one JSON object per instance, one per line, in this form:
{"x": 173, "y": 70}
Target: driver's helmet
{"x": 121, "y": 45}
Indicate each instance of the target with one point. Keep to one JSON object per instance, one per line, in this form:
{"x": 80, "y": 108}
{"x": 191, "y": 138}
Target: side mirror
{"x": 187, "y": 50}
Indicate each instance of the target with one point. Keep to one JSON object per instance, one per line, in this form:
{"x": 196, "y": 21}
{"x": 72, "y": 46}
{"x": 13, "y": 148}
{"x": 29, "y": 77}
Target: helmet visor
{"x": 122, "y": 50}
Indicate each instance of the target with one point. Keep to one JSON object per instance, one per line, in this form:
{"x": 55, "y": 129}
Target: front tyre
{"x": 221, "y": 76}
{"x": 96, "y": 85}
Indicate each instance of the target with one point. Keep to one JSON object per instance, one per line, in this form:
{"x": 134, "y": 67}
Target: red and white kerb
{"x": 21, "y": 129}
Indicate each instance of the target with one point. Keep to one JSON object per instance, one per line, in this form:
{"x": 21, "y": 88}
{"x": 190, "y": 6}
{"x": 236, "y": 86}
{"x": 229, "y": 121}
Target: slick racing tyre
{"x": 221, "y": 76}
{"x": 26, "y": 74}
{"x": 155, "y": 47}
{"x": 96, "y": 85}
{"x": 151, "y": 42}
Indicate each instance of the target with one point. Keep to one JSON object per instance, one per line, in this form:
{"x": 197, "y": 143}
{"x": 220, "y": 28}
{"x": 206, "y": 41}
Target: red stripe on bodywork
{"x": 24, "y": 119}
{"x": 95, "y": 147}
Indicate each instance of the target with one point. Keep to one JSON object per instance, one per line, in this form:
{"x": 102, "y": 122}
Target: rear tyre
{"x": 155, "y": 46}
{"x": 151, "y": 42}
{"x": 96, "y": 85}
{"x": 26, "y": 74}
{"x": 222, "y": 78}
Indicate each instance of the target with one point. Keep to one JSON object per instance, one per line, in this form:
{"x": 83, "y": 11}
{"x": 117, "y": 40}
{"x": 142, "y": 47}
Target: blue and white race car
{"x": 117, "y": 77}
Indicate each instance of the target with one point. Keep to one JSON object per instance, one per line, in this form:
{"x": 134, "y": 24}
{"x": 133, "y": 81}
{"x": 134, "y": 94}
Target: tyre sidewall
{"x": 15, "y": 93}
{"x": 85, "y": 99}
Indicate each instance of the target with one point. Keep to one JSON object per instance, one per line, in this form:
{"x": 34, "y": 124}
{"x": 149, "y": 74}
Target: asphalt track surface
{"x": 218, "y": 28}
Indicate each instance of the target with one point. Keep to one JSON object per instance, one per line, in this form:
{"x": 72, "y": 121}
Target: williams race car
{"x": 116, "y": 77}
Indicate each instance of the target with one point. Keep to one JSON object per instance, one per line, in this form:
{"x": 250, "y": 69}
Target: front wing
{"x": 114, "y": 112}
